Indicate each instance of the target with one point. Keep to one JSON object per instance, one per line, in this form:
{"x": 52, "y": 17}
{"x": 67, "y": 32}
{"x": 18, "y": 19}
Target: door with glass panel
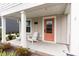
{"x": 49, "y": 29}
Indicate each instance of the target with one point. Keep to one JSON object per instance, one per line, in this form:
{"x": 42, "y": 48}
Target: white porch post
{"x": 23, "y": 30}
{"x": 20, "y": 28}
{"x": 3, "y": 24}
{"x": 74, "y": 42}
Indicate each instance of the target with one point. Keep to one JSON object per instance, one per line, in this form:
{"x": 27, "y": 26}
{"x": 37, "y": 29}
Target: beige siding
{"x": 61, "y": 31}
{"x": 58, "y": 29}
{"x": 37, "y": 27}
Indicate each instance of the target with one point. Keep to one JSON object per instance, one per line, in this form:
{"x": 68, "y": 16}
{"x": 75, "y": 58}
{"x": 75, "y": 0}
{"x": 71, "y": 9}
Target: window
{"x": 49, "y": 25}
{"x": 28, "y": 26}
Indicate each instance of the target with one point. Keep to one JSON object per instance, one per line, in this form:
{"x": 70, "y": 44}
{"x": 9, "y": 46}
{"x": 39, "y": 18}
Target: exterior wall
{"x": 61, "y": 28}
{"x": 37, "y": 27}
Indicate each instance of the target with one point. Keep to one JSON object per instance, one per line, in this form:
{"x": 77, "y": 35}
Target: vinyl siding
{"x": 61, "y": 28}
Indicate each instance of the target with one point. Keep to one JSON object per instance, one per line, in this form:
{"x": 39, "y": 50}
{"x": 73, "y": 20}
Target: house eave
{"x": 19, "y": 8}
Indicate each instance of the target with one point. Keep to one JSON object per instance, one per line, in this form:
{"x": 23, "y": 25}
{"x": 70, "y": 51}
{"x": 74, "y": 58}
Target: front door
{"x": 49, "y": 29}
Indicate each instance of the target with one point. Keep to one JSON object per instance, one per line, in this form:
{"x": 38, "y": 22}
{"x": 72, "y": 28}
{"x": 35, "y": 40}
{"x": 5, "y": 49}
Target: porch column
{"x": 23, "y": 30}
{"x": 3, "y": 24}
{"x": 74, "y": 41}
{"x": 19, "y": 28}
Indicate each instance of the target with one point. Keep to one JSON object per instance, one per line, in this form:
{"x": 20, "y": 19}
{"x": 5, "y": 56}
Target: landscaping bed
{"x": 8, "y": 50}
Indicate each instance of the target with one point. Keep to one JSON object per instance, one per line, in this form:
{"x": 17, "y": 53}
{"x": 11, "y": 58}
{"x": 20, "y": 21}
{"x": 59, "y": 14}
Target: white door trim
{"x": 54, "y": 29}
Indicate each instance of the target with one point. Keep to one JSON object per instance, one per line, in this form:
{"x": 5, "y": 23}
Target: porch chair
{"x": 33, "y": 38}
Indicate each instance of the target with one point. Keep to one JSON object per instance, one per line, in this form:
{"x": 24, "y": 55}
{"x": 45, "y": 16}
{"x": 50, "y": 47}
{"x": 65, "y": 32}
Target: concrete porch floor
{"x": 45, "y": 48}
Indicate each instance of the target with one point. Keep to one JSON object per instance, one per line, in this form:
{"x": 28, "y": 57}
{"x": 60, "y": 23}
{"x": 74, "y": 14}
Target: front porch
{"x": 60, "y": 28}
{"x": 43, "y": 48}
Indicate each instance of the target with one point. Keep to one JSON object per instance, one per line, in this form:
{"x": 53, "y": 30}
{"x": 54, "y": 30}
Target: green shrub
{"x": 11, "y": 54}
{"x": 17, "y": 34}
{"x": 8, "y": 50}
{"x": 3, "y": 53}
{"x": 10, "y": 37}
{"x": 0, "y": 35}
{"x": 7, "y": 53}
{"x": 22, "y": 51}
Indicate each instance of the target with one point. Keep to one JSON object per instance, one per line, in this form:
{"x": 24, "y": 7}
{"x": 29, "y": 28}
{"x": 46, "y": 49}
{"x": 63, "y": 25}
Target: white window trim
{"x": 30, "y": 26}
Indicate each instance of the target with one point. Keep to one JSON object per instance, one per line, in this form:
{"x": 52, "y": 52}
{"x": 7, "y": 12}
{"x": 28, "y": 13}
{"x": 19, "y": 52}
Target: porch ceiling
{"x": 43, "y": 10}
